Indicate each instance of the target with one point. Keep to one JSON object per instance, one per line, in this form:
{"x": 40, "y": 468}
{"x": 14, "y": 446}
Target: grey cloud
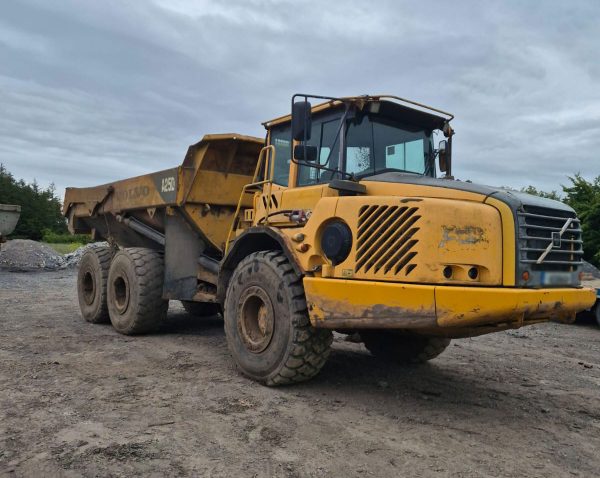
{"x": 94, "y": 91}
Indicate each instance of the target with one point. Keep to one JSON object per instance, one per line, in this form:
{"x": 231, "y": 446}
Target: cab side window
{"x": 323, "y": 137}
{"x": 280, "y": 138}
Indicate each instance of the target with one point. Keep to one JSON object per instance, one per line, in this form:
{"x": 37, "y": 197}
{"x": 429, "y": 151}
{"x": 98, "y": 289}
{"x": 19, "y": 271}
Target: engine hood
{"x": 536, "y": 220}
{"x": 515, "y": 199}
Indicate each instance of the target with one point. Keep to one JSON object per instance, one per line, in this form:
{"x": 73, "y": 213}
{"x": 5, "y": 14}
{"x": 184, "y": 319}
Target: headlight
{"x": 336, "y": 241}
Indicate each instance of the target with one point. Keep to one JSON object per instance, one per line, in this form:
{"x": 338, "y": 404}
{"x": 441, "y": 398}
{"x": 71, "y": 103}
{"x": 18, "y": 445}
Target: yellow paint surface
{"x": 331, "y": 299}
{"x": 508, "y": 241}
{"x": 459, "y": 306}
{"x": 337, "y": 298}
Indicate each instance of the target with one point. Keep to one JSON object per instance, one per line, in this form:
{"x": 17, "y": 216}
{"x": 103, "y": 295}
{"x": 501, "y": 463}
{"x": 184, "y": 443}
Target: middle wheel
{"x": 267, "y": 325}
{"x": 135, "y": 285}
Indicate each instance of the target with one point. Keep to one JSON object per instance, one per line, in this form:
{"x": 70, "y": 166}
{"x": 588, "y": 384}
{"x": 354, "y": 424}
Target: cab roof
{"x": 388, "y": 105}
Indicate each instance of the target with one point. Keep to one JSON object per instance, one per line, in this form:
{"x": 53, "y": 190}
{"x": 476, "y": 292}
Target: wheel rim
{"x": 89, "y": 287}
{"x": 255, "y": 319}
{"x": 121, "y": 293}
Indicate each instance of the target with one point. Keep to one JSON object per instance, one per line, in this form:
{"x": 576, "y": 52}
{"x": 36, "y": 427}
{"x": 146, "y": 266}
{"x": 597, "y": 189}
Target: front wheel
{"x": 403, "y": 349}
{"x": 267, "y": 325}
{"x": 596, "y": 310}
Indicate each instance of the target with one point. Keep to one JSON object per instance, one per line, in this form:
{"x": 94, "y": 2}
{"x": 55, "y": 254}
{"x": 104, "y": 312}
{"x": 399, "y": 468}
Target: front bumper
{"x": 351, "y": 304}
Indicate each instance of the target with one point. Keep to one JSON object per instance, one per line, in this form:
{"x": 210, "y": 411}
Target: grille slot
{"x": 538, "y": 226}
{"x": 385, "y": 239}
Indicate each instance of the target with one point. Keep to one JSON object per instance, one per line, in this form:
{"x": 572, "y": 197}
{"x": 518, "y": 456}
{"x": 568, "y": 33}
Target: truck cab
{"x": 354, "y": 190}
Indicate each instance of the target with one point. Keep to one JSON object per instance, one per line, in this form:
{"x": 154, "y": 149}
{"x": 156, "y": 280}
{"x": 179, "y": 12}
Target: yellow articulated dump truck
{"x": 346, "y": 217}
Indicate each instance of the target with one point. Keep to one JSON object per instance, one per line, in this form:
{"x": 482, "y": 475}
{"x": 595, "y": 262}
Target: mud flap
{"x": 183, "y": 247}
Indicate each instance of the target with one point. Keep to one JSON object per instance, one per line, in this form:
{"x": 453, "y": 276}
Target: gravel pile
{"x": 72, "y": 259}
{"x": 589, "y": 269}
{"x": 24, "y": 255}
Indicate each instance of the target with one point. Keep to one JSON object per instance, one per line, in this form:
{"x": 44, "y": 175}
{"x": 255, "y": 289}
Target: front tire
{"x": 403, "y": 349}
{"x": 135, "y": 284}
{"x": 267, "y": 325}
{"x": 596, "y": 311}
{"x": 91, "y": 284}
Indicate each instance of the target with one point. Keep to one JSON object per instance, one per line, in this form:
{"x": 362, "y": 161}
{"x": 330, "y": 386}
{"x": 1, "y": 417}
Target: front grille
{"x": 538, "y": 228}
{"x": 385, "y": 240}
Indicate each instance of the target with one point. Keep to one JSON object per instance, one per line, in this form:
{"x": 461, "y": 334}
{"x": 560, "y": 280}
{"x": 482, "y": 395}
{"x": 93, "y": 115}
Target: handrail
{"x": 268, "y": 174}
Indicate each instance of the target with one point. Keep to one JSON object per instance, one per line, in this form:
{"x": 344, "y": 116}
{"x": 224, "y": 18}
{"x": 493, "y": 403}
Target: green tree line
{"x": 40, "y": 208}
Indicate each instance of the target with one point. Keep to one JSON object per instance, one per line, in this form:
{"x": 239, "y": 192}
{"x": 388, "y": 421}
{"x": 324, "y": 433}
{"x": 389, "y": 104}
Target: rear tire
{"x": 200, "y": 309}
{"x": 91, "y": 284}
{"x": 135, "y": 285}
{"x": 403, "y": 349}
{"x": 596, "y": 311}
{"x": 267, "y": 325}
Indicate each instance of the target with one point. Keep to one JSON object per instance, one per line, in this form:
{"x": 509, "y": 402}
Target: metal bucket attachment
{"x": 9, "y": 216}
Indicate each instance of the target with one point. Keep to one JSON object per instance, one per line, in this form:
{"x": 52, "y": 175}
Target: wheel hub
{"x": 89, "y": 287}
{"x": 121, "y": 293}
{"x": 256, "y": 319}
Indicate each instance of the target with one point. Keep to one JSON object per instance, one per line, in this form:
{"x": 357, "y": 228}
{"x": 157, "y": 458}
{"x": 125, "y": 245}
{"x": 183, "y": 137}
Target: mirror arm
{"x": 342, "y": 130}
{"x": 340, "y": 127}
{"x": 449, "y": 158}
{"x": 337, "y": 135}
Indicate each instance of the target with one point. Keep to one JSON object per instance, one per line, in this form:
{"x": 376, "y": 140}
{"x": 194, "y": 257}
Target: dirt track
{"x": 79, "y": 399}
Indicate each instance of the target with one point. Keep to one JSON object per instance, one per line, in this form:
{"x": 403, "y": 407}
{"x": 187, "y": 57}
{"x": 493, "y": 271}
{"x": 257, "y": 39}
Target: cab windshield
{"x": 373, "y": 144}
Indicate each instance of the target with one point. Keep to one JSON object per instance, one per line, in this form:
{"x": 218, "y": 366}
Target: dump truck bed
{"x": 150, "y": 190}
{"x": 205, "y": 189}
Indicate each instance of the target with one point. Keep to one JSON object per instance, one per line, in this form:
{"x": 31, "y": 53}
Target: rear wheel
{"x": 404, "y": 349}
{"x": 135, "y": 284}
{"x": 266, "y": 322}
{"x": 91, "y": 284}
{"x": 200, "y": 309}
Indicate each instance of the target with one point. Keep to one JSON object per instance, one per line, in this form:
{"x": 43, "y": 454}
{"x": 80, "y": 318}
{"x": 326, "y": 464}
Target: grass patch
{"x": 64, "y": 248}
{"x": 55, "y": 238}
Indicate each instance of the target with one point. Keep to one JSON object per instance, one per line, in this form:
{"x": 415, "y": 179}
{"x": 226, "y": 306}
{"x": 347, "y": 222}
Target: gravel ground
{"x": 81, "y": 400}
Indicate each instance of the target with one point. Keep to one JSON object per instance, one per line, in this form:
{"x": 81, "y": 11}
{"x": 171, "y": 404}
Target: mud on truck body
{"x": 336, "y": 221}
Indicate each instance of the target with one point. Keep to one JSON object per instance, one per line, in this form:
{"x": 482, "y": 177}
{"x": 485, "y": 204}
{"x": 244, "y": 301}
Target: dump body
{"x": 205, "y": 190}
{"x": 9, "y": 217}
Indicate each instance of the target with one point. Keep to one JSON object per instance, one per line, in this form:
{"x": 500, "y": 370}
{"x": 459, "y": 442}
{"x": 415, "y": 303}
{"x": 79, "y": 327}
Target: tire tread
{"x": 152, "y": 309}
{"x": 104, "y": 257}
{"x": 310, "y": 347}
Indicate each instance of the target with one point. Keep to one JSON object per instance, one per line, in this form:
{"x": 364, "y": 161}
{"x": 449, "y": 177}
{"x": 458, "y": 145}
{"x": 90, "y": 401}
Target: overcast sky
{"x": 95, "y": 91}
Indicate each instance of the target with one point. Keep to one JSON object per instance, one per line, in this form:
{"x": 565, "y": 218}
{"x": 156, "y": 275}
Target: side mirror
{"x": 306, "y": 152}
{"x": 442, "y": 156}
{"x": 301, "y": 121}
